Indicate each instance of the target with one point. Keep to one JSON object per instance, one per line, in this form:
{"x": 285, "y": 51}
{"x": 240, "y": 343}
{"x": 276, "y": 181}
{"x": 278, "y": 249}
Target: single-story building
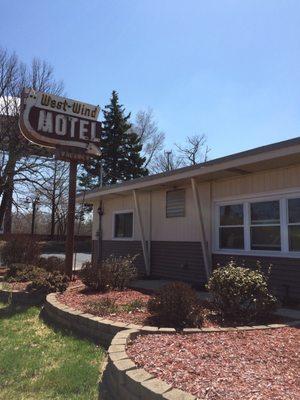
{"x": 183, "y": 223}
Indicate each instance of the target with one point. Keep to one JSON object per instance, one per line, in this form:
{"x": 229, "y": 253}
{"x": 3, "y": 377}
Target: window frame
{"x": 282, "y": 197}
{"x": 291, "y": 223}
{"x": 230, "y": 226}
{"x": 114, "y": 237}
{"x": 272, "y": 224}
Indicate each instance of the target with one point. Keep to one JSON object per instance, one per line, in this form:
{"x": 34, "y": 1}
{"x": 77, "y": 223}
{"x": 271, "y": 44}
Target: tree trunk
{"x": 7, "y": 198}
{"x": 53, "y": 201}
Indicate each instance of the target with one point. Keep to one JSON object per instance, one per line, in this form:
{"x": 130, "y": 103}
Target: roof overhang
{"x": 276, "y": 155}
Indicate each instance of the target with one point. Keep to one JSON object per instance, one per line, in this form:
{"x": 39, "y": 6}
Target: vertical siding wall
{"x": 183, "y": 229}
{"x": 175, "y": 242}
{"x": 169, "y": 259}
{"x": 285, "y": 273}
{"x": 262, "y": 182}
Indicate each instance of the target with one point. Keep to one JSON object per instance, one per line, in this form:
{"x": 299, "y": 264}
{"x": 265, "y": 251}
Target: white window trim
{"x": 113, "y": 225}
{"x": 280, "y": 196}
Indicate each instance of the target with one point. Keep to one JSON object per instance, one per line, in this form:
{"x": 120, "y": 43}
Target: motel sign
{"x": 71, "y": 128}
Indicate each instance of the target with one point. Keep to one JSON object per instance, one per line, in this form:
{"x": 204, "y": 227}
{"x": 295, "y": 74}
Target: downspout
{"x": 150, "y": 231}
{"x": 206, "y": 258}
{"x": 100, "y": 234}
{"x": 144, "y": 245}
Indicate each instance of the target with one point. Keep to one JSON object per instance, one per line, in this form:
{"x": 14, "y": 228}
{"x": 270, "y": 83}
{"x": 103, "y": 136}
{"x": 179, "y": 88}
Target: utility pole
{"x": 168, "y": 154}
{"x": 34, "y": 202}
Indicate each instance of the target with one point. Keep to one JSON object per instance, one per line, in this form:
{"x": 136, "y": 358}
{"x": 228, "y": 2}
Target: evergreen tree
{"x": 120, "y": 147}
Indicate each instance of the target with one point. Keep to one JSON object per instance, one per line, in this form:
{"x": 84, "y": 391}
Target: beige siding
{"x": 187, "y": 228}
{"x": 124, "y": 203}
{"x": 263, "y": 182}
{"x": 160, "y": 228}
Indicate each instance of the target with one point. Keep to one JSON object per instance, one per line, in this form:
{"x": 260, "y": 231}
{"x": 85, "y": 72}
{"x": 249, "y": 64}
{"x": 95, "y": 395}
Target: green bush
{"x": 113, "y": 273}
{"x": 51, "y": 264}
{"x": 49, "y": 282}
{"x": 22, "y": 273}
{"x": 176, "y": 304}
{"x": 241, "y": 294}
{"x": 23, "y": 250}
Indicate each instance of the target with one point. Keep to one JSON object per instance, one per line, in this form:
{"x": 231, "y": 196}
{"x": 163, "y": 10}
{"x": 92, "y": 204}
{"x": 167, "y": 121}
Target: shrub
{"x": 117, "y": 272}
{"x": 49, "y": 282}
{"x": 176, "y": 304}
{"x": 114, "y": 273}
{"x": 89, "y": 274}
{"x": 241, "y": 294}
{"x": 22, "y": 273}
{"x": 51, "y": 264}
{"x": 23, "y": 250}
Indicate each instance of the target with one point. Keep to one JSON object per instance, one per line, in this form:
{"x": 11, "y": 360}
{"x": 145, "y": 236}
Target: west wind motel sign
{"x": 72, "y": 129}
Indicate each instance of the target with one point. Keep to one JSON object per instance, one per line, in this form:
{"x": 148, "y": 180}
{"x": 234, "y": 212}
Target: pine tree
{"x": 120, "y": 147}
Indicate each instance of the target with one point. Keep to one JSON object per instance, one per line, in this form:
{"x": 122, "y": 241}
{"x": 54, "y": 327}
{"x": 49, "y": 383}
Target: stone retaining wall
{"x": 122, "y": 379}
{"x": 99, "y": 330}
{"x": 17, "y": 297}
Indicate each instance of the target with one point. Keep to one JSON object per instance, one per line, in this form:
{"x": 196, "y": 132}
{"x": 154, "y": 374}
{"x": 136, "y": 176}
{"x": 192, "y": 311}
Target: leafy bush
{"x": 114, "y": 273}
{"x": 23, "y": 250}
{"x": 51, "y": 264}
{"x": 22, "y": 273}
{"x": 176, "y": 304}
{"x": 241, "y": 294}
{"x": 49, "y": 282}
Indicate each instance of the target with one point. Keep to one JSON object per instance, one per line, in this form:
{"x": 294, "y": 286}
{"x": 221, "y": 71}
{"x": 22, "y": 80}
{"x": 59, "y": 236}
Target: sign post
{"x": 72, "y": 129}
{"x": 71, "y": 218}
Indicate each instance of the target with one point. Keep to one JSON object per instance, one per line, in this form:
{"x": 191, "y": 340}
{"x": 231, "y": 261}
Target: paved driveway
{"x": 80, "y": 258}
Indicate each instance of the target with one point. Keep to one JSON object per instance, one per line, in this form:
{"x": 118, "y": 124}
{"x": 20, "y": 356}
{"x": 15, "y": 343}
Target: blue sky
{"x": 226, "y": 68}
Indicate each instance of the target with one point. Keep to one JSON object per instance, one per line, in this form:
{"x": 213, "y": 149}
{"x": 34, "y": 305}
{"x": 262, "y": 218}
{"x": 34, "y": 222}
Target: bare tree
{"x": 166, "y": 161}
{"x": 18, "y": 158}
{"x": 194, "y": 150}
{"x": 151, "y": 137}
{"x": 54, "y": 195}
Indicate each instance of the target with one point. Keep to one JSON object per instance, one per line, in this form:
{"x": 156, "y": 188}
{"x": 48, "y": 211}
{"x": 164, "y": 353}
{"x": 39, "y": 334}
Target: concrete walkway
{"x": 156, "y": 284}
{"x": 288, "y": 313}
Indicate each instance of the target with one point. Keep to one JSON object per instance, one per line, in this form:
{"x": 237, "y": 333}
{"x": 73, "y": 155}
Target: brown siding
{"x": 178, "y": 261}
{"x": 169, "y": 260}
{"x": 285, "y": 272}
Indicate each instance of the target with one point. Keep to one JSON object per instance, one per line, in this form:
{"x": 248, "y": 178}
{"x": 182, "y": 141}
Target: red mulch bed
{"x": 21, "y": 286}
{"x": 250, "y": 365}
{"x": 84, "y": 298}
{"x": 80, "y": 299}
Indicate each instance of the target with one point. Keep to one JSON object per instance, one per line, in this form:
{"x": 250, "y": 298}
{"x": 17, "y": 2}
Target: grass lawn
{"x": 38, "y": 363}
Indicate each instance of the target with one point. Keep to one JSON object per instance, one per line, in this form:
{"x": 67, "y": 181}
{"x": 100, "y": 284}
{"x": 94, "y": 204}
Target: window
{"x": 265, "y": 226}
{"x": 175, "y": 203}
{"x": 231, "y": 230}
{"x": 294, "y": 224}
{"x": 270, "y": 226}
{"x": 123, "y": 225}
